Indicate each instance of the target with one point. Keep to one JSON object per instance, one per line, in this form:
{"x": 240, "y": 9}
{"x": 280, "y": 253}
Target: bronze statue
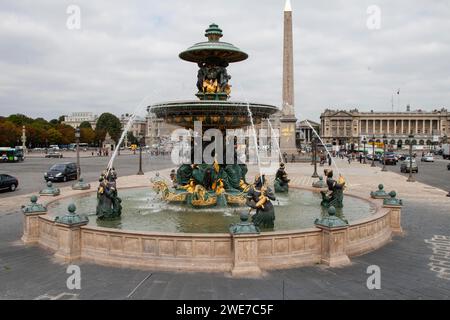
{"x": 108, "y": 202}
{"x": 281, "y": 182}
{"x": 259, "y": 198}
{"x": 335, "y": 195}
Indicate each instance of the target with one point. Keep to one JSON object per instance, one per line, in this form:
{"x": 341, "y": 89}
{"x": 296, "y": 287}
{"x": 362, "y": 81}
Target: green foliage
{"x": 86, "y": 125}
{"x": 131, "y": 138}
{"x": 107, "y": 122}
{"x": 39, "y": 132}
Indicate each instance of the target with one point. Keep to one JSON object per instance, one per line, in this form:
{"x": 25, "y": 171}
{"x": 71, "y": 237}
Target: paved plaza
{"x": 414, "y": 266}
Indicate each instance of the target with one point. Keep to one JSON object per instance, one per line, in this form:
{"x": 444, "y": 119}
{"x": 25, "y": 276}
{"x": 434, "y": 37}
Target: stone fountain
{"x": 200, "y": 183}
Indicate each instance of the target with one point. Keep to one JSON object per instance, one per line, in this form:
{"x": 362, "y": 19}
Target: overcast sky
{"x": 127, "y": 51}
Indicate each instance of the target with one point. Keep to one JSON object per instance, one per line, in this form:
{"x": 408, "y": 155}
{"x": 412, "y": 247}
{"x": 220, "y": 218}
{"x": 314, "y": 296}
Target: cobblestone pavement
{"x": 414, "y": 266}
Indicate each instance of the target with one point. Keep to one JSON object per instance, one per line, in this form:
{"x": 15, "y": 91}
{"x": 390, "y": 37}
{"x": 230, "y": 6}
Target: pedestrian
{"x": 329, "y": 160}
{"x": 360, "y": 157}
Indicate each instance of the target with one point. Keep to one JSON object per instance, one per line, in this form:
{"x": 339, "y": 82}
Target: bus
{"x": 11, "y": 154}
{"x": 83, "y": 146}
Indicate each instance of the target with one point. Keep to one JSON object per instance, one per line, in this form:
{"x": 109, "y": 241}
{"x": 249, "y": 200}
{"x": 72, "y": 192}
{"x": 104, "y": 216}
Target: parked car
{"x": 389, "y": 158}
{"x": 427, "y": 158}
{"x": 8, "y": 182}
{"x": 406, "y": 167}
{"x": 54, "y": 154}
{"x": 61, "y": 172}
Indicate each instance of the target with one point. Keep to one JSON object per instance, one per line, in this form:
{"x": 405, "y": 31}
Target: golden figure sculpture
{"x": 220, "y": 187}
{"x": 210, "y": 86}
{"x": 262, "y": 198}
{"x": 190, "y": 187}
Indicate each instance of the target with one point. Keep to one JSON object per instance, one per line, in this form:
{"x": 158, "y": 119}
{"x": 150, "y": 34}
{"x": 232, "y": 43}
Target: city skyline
{"x": 122, "y": 53}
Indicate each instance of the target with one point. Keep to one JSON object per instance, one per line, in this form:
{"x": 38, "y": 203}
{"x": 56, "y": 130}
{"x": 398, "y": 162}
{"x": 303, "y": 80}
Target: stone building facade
{"x": 344, "y": 128}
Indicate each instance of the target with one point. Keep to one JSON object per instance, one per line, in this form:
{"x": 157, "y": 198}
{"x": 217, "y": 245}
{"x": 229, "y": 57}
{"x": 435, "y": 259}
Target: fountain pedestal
{"x": 245, "y": 256}
{"x": 334, "y": 239}
{"x": 395, "y": 219}
{"x": 69, "y": 235}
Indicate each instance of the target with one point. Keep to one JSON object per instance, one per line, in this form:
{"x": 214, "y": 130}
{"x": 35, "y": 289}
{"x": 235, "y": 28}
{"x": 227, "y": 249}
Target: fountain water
{"x": 328, "y": 152}
{"x": 276, "y": 139}
{"x": 124, "y": 133}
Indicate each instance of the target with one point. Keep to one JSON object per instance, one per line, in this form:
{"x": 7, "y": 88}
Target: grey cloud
{"x": 127, "y": 50}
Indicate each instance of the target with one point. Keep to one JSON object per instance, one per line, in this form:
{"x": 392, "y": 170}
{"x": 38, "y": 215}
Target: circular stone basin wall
{"x": 144, "y": 211}
{"x": 201, "y": 241}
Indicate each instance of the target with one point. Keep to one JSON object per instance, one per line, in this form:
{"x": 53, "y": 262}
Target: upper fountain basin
{"x": 212, "y": 113}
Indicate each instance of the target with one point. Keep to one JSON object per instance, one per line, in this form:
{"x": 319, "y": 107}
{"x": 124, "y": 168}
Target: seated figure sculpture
{"x": 259, "y": 198}
{"x": 335, "y": 194}
{"x": 108, "y": 202}
{"x": 281, "y": 182}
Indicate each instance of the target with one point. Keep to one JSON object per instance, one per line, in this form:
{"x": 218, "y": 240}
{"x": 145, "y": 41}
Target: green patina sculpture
{"x": 108, "y": 202}
{"x": 319, "y": 183}
{"x": 392, "y": 200}
{"x": 72, "y": 218}
{"x": 259, "y": 198}
{"x": 281, "y": 183}
{"x": 81, "y": 185}
{"x": 33, "y": 207}
{"x": 50, "y": 190}
{"x": 244, "y": 227}
{"x": 335, "y": 195}
{"x": 331, "y": 220}
{"x": 380, "y": 193}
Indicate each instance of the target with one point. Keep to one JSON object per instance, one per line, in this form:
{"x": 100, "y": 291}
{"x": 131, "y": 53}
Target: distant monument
{"x": 288, "y": 119}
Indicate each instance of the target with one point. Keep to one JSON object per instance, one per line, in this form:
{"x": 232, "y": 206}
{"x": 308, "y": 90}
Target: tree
{"x": 9, "y": 134}
{"x": 86, "y": 125}
{"x": 54, "y": 122}
{"x": 61, "y": 119}
{"x": 87, "y": 135}
{"x": 54, "y": 136}
{"x": 20, "y": 119}
{"x": 108, "y": 122}
{"x": 68, "y": 133}
{"x": 131, "y": 138}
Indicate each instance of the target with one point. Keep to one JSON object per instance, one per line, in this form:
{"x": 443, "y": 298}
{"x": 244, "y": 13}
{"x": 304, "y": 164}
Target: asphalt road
{"x": 434, "y": 173}
{"x": 30, "y": 173}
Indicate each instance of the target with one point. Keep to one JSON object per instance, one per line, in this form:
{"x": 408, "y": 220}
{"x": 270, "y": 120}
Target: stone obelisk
{"x": 288, "y": 120}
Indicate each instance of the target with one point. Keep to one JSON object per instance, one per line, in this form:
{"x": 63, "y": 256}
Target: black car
{"x": 8, "y": 182}
{"x": 61, "y": 172}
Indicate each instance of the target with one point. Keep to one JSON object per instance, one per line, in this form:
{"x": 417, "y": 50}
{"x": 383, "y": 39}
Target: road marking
{"x": 61, "y": 296}
{"x": 440, "y": 260}
{"x": 140, "y": 283}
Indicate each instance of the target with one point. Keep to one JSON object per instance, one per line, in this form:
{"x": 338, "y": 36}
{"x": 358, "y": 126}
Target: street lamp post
{"x": 373, "y": 151}
{"x": 315, "y": 175}
{"x": 410, "y": 177}
{"x": 384, "y": 152}
{"x": 140, "y": 172}
{"x": 364, "y": 151}
{"x": 77, "y": 136}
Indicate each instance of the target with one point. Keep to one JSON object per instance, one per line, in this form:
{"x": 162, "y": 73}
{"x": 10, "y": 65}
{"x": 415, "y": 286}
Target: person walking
{"x": 329, "y": 160}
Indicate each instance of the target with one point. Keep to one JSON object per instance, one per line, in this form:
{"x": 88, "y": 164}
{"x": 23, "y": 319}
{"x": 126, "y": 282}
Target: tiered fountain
{"x": 202, "y": 184}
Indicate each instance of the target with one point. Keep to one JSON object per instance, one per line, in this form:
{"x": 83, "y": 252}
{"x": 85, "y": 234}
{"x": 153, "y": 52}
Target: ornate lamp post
{"x": 410, "y": 177}
{"x": 140, "y": 172}
{"x": 373, "y": 151}
{"x": 364, "y": 151}
{"x": 315, "y": 175}
{"x": 24, "y": 139}
{"x": 77, "y": 136}
{"x": 384, "y": 152}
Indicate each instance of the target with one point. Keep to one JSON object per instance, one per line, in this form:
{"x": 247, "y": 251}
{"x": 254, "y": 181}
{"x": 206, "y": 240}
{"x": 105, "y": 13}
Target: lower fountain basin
{"x": 144, "y": 211}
